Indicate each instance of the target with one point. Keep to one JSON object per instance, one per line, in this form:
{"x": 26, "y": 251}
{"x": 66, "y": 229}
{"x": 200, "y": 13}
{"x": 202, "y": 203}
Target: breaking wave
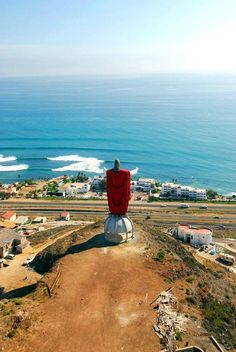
{"x": 134, "y": 171}
{"x": 4, "y": 159}
{"x": 71, "y": 158}
{"x": 82, "y": 164}
{"x": 13, "y": 167}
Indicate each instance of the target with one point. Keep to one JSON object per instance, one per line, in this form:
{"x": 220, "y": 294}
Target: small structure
{"x": 40, "y": 220}
{"x": 196, "y": 236}
{"x": 10, "y": 241}
{"x": 65, "y": 215}
{"x": 8, "y": 215}
{"x": 118, "y": 228}
{"x": 21, "y": 220}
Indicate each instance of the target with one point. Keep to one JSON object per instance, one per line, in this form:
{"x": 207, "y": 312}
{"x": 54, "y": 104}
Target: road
{"x": 99, "y": 203}
{"x": 214, "y": 215}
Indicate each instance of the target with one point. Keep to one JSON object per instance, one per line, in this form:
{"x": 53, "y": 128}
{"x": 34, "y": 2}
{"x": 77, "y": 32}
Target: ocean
{"x": 180, "y": 127}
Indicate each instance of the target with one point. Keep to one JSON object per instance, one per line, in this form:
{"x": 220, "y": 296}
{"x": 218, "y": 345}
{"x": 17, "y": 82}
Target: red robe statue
{"x": 118, "y": 191}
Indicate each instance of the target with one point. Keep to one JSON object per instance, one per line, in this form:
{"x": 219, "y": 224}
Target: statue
{"x": 118, "y": 226}
{"x": 118, "y": 189}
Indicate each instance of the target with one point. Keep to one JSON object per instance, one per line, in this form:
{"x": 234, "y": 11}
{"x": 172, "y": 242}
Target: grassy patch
{"x": 219, "y": 318}
{"x": 160, "y": 256}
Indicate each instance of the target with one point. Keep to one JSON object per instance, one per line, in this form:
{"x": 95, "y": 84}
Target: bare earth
{"x": 102, "y": 304}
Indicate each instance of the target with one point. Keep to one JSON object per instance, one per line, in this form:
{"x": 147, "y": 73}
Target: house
{"x": 71, "y": 191}
{"x": 143, "y": 185}
{"x": 10, "y": 241}
{"x": 7, "y": 191}
{"x": 40, "y": 220}
{"x": 196, "y": 236}
{"x": 96, "y": 182}
{"x": 65, "y": 215}
{"x": 84, "y": 189}
{"x": 8, "y": 215}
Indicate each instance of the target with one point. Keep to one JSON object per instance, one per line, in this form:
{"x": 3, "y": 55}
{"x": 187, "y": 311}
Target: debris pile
{"x": 168, "y": 321}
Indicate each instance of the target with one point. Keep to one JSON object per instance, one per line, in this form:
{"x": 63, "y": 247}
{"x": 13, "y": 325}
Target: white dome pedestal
{"x": 118, "y": 228}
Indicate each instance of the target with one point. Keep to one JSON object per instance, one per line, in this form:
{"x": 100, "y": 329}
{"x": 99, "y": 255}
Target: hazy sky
{"x": 50, "y": 37}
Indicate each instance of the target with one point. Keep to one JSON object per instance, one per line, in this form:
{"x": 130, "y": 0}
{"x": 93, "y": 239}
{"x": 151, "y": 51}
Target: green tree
{"x": 212, "y": 194}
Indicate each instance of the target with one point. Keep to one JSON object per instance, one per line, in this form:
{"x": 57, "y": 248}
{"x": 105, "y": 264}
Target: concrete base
{"x": 118, "y": 228}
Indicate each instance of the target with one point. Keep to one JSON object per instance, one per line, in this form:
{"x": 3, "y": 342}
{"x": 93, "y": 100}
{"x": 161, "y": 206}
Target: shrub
{"x": 160, "y": 256}
{"x": 190, "y": 279}
{"x": 11, "y": 333}
{"x": 178, "y": 336}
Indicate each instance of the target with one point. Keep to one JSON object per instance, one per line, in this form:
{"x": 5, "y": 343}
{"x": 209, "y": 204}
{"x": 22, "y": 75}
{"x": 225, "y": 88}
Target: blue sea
{"x": 180, "y": 127}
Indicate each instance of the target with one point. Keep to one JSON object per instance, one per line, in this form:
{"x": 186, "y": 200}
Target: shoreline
{"x": 46, "y": 179}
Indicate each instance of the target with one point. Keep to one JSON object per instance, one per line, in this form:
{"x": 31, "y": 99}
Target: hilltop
{"x": 104, "y": 292}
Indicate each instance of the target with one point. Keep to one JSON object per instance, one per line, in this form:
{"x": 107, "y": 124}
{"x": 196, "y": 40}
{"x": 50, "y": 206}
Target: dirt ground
{"x": 16, "y": 275}
{"x": 102, "y": 304}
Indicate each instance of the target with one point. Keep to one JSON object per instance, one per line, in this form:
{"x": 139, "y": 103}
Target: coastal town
{"x": 82, "y": 186}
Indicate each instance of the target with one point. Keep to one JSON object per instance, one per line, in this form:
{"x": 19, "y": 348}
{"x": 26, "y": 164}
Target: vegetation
{"x": 159, "y": 256}
{"x": 211, "y": 194}
{"x": 80, "y": 177}
{"x": 178, "y": 336}
{"x": 11, "y": 333}
{"x": 103, "y": 185}
{"x": 52, "y": 187}
{"x": 220, "y": 319}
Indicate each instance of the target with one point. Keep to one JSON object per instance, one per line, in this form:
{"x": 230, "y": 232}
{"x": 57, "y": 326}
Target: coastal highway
{"x": 71, "y": 204}
{"x": 214, "y": 215}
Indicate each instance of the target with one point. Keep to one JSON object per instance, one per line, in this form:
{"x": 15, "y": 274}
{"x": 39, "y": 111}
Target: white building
{"x": 85, "y": 188}
{"x": 196, "y": 236}
{"x": 72, "y": 190}
{"x": 143, "y": 185}
{"x": 173, "y": 190}
{"x": 21, "y": 220}
{"x": 97, "y": 180}
{"x": 40, "y": 220}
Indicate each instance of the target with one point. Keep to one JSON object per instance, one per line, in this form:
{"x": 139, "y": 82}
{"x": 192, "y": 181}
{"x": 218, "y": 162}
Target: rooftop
{"x": 7, "y": 215}
{"x": 7, "y": 235}
{"x": 195, "y": 230}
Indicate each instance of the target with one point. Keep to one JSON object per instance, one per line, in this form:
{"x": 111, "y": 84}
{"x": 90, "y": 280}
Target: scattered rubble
{"x": 168, "y": 321}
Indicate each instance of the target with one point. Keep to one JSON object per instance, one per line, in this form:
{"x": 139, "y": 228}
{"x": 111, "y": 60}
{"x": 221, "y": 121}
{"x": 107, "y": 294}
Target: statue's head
{"x": 116, "y": 165}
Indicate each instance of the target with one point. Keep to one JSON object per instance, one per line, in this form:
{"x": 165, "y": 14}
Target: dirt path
{"x": 102, "y": 304}
{"x": 16, "y": 275}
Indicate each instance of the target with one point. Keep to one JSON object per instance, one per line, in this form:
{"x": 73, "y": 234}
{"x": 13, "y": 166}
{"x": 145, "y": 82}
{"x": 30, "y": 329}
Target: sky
{"x": 74, "y": 37}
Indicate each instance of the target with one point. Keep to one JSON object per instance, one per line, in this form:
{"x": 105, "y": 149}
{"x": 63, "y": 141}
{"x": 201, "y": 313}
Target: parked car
{"x": 163, "y": 205}
{"x": 203, "y": 207}
{"x": 10, "y": 256}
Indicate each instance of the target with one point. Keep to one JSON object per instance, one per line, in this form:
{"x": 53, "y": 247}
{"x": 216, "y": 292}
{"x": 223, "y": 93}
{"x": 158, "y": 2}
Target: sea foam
{"x": 82, "y": 164}
{"x": 18, "y": 167}
{"x": 4, "y": 159}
